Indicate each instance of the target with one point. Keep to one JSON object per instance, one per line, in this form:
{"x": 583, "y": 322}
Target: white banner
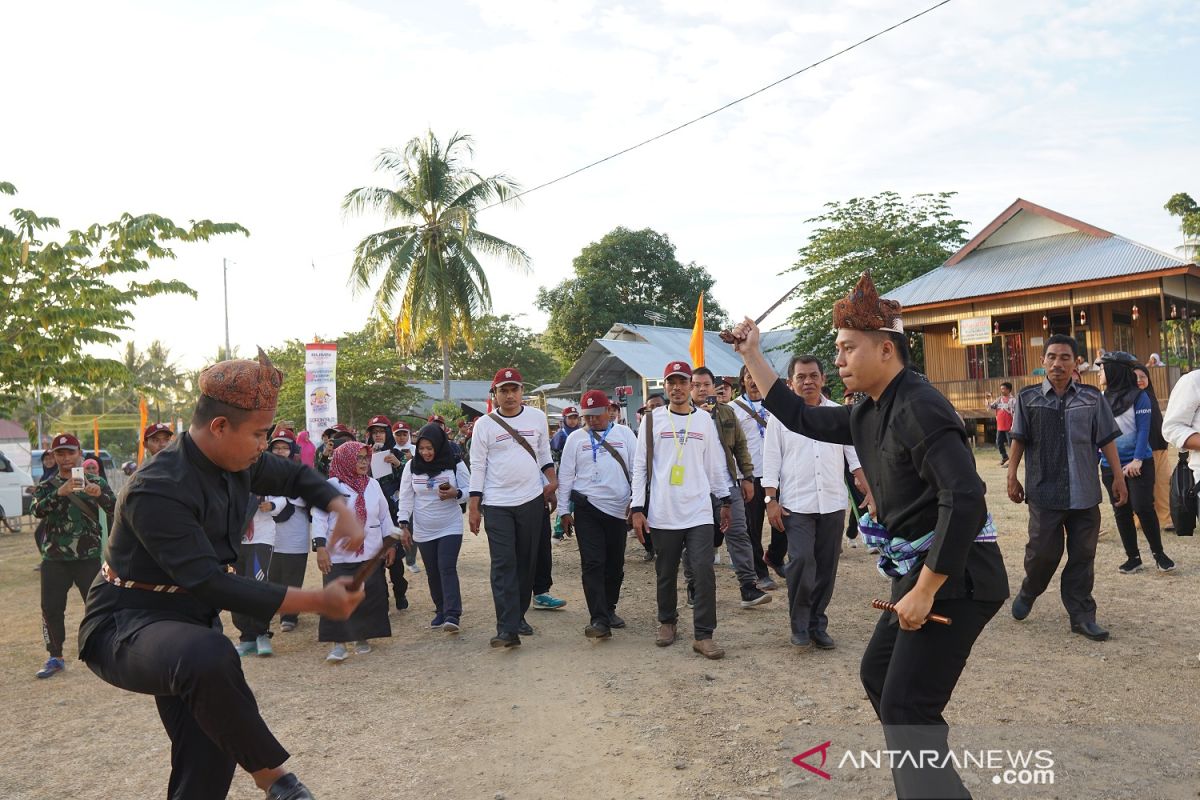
{"x": 320, "y": 388}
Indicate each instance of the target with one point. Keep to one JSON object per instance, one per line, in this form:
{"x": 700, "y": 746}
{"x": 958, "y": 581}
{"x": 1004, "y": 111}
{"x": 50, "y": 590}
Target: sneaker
{"x": 401, "y": 603}
{"x": 1130, "y": 566}
{"x": 717, "y": 559}
{"x": 264, "y": 645}
{"x": 451, "y": 625}
{"x": 691, "y": 596}
{"x": 1004, "y": 463}
{"x": 753, "y": 596}
{"x": 1163, "y": 563}
{"x": 362, "y": 648}
{"x": 767, "y": 585}
{"x": 338, "y": 654}
{"x": 437, "y": 622}
{"x": 548, "y": 601}
{"x": 247, "y": 648}
{"x": 53, "y": 666}
{"x": 414, "y": 567}
{"x": 776, "y": 568}
{"x": 287, "y": 626}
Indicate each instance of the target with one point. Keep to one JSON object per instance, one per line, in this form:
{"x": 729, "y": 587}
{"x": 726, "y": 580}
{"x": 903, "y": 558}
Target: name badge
{"x": 677, "y": 475}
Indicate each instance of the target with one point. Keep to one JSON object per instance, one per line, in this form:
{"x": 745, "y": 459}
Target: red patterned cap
{"x": 594, "y": 402}
{"x": 283, "y": 435}
{"x": 506, "y": 376}
{"x": 64, "y": 441}
{"x": 379, "y": 420}
{"x": 401, "y": 425}
{"x": 570, "y": 411}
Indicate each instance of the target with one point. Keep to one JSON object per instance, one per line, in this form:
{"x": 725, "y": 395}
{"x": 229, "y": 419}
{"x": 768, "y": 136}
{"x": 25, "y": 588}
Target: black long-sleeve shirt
{"x": 179, "y": 521}
{"x": 914, "y": 452}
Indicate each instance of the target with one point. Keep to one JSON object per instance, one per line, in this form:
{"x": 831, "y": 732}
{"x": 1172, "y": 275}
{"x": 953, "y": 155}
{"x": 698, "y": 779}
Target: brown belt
{"x": 111, "y": 576}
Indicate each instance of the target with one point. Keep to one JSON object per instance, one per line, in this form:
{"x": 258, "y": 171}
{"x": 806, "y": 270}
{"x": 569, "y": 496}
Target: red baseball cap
{"x": 571, "y": 411}
{"x": 728, "y": 380}
{"x": 155, "y": 429}
{"x": 340, "y": 428}
{"x": 594, "y": 402}
{"x": 506, "y": 376}
{"x": 438, "y": 418}
{"x": 401, "y": 425}
{"x": 283, "y": 435}
{"x": 379, "y": 420}
{"x": 64, "y": 441}
{"x": 677, "y": 368}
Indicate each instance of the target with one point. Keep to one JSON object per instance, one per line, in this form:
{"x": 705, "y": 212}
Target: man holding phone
{"x": 70, "y": 504}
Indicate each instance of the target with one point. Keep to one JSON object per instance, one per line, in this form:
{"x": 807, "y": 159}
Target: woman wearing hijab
{"x": 431, "y": 488}
{"x": 1158, "y": 444}
{"x": 348, "y": 472}
{"x": 1132, "y": 408}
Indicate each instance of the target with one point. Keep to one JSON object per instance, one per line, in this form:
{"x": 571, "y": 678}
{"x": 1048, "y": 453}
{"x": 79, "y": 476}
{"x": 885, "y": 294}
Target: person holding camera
{"x": 73, "y": 508}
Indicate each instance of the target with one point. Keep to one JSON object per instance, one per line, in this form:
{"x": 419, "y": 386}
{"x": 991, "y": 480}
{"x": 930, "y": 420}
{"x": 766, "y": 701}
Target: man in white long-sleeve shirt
{"x": 806, "y": 497}
{"x": 507, "y": 491}
{"x": 593, "y": 488}
{"x": 688, "y": 465}
{"x": 1181, "y": 422}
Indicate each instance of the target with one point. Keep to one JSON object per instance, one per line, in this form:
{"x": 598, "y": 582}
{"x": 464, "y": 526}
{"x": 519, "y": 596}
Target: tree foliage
{"x": 895, "y": 239}
{"x": 1183, "y": 206}
{"x": 60, "y": 296}
{"x": 618, "y": 279}
{"x": 499, "y": 342}
{"x": 429, "y": 260}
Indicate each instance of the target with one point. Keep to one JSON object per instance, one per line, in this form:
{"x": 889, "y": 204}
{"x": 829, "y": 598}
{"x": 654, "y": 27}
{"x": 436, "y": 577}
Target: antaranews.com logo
{"x": 1007, "y": 767}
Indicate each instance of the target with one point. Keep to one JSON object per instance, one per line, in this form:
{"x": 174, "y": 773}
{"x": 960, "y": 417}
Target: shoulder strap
{"x": 612, "y": 451}
{"x": 88, "y": 510}
{"x": 649, "y": 450}
{"x": 757, "y": 418}
{"x": 521, "y": 440}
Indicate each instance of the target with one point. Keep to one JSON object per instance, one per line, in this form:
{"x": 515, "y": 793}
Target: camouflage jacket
{"x": 733, "y": 440}
{"x": 69, "y": 533}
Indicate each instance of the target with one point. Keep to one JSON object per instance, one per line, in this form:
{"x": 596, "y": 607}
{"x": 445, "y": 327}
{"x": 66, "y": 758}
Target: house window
{"x": 1061, "y": 323}
{"x": 1123, "y": 332}
{"x": 1003, "y": 358}
{"x": 976, "y": 361}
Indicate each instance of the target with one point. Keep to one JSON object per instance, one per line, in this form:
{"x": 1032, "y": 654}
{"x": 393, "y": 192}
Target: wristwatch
{"x": 769, "y": 498}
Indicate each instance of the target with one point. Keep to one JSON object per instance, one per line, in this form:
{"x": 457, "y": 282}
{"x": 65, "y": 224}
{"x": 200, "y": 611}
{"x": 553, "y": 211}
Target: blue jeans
{"x": 441, "y": 570}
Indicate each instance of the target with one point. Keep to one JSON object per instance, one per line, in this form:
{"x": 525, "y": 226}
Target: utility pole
{"x": 225, "y": 274}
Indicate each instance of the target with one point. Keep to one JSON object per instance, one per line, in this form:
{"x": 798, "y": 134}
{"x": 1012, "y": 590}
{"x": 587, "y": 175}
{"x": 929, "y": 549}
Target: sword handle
{"x": 884, "y": 605}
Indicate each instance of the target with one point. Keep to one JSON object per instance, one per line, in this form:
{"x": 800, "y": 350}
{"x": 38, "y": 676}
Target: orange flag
{"x": 696, "y": 348}
{"x": 144, "y": 413}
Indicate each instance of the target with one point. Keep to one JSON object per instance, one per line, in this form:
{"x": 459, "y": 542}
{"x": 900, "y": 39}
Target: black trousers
{"x": 57, "y": 579}
{"x": 288, "y": 569}
{"x": 1049, "y": 529}
{"x": 601, "y": 540}
{"x": 203, "y": 701}
{"x": 909, "y": 677}
{"x": 542, "y": 577}
{"x": 1001, "y": 443}
{"x": 398, "y": 578}
{"x": 856, "y": 509}
{"x": 513, "y": 539}
{"x": 1141, "y": 502}
{"x": 694, "y": 544}
{"x": 756, "y": 515}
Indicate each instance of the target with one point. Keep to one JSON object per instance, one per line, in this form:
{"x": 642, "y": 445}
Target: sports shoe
{"x": 289, "y": 787}
{"x": 1130, "y": 566}
{"x": 691, "y": 596}
{"x": 362, "y": 648}
{"x": 821, "y": 640}
{"x": 753, "y": 596}
{"x": 338, "y": 654}
{"x": 247, "y": 648}
{"x": 1163, "y": 563}
{"x": 287, "y": 626}
{"x": 264, "y": 645}
{"x": 548, "y": 602}
{"x": 53, "y": 666}
{"x": 776, "y": 568}
{"x": 414, "y": 567}
{"x": 437, "y": 622}
{"x": 525, "y": 629}
{"x": 451, "y": 625}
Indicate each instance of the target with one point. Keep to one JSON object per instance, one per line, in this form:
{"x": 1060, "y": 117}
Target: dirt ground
{"x": 439, "y": 716}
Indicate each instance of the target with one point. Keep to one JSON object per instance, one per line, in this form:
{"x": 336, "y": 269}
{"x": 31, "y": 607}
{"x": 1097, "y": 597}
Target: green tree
{"x": 429, "y": 260}
{"x": 618, "y": 279}
{"x": 499, "y": 342}
{"x": 58, "y": 297}
{"x": 895, "y": 239}
{"x": 1183, "y": 206}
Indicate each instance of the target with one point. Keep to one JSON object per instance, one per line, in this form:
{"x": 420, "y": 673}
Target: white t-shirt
{"x": 755, "y": 434}
{"x": 291, "y": 535}
{"x": 588, "y": 468}
{"x": 432, "y": 518}
{"x": 690, "y": 441}
{"x": 378, "y": 524}
{"x": 501, "y": 469}
{"x": 809, "y": 475}
{"x": 261, "y": 529}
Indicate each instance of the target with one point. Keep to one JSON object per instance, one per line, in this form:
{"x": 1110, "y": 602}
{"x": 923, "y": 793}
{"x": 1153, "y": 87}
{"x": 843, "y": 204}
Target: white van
{"x": 12, "y": 493}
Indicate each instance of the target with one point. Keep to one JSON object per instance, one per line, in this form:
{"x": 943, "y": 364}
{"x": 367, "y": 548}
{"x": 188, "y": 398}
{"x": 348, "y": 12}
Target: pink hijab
{"x": 344, "y": 467}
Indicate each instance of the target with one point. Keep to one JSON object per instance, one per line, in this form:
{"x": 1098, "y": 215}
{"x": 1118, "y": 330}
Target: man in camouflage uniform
{"x": 70, "y": 541}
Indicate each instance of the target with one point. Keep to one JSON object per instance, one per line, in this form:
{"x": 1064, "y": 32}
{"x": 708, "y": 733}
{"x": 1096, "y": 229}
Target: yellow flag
{"x": 696, "y": 348}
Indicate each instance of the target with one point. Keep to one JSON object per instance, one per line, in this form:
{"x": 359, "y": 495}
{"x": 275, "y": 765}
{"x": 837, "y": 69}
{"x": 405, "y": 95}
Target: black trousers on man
{"x": 1049, "y": 529}
{"x": 203, "y": 701}
{"x": 513, "y": 534}
{"x": 909, "y": 677}
{"x": 542, "y": 577}
{"x": 57, "y": 578}
{"x": 601, "y": 540}
{"x": 756, "y": 514}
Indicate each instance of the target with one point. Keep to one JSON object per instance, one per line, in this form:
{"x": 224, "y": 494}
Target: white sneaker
{"x": 717, "y": 559}
{"x": 414, "y": 567}
{"x": 338, "y": 654}
{"x": 362, "y": 648}
{"x": 264, "y": 645}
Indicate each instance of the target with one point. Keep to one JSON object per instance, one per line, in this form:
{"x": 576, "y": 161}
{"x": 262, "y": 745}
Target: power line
{"x": 715, "y": 111}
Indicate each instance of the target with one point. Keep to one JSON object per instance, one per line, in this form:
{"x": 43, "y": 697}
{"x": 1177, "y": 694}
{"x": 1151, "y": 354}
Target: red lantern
{"x": 1135, "y": 312}
{"x": 1045, "y": 322}
{"x": 1082, "y": 317}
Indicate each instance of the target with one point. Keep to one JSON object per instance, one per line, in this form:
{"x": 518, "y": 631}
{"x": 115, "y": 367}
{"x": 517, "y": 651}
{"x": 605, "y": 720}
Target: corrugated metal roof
{"x": 1036, "y": 263}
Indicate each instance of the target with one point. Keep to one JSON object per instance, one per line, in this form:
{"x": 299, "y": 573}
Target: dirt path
{"x": 441, "y": 716}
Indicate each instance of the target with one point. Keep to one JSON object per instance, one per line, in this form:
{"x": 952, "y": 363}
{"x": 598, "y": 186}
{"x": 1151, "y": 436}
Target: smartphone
{"x": 711, "y": 399}
{"x": 79, "y": 478}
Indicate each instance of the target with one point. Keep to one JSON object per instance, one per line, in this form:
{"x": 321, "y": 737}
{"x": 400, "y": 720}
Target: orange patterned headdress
{"x": 243, "y": 383}
{"x": 864, "y": 310}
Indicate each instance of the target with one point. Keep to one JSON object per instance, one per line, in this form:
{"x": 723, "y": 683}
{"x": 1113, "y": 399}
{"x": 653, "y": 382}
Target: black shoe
{"x": 525, "y": 629}
{"x": 1130, "y": 566}
{"x": 1021, "y": 607}
{"x": 648, "y": 555}
{"x": 754, "y": 596}
{"x": 401, "y": 603}
{"x": 597, "y": 631}
{"x": 614, "y": 621}
{"x": 506, "y": 640}
{"x": 1091, "y": 630}
{"x": 822, "y": 640}
{"x": 801, "y": 640}
{"x": 289, "y": 787}
{"x": 691, "y": 596}
{"x": 1163, "y": 563}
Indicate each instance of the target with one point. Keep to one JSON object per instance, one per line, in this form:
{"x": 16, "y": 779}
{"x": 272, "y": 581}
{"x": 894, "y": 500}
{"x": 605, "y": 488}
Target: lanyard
{"x": 762, "y": 412}
{"x": 679, "y": 445}
{"x": 597, "y": 444}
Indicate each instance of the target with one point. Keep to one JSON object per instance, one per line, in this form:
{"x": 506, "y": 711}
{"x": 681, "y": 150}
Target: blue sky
{"x": 267, "y": 113}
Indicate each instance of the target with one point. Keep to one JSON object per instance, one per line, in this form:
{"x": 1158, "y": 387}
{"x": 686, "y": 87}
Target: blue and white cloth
{"x": 898, "y": 556}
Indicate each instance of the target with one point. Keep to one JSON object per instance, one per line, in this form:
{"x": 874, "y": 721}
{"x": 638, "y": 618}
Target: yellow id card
{"x": 677, "y": 475}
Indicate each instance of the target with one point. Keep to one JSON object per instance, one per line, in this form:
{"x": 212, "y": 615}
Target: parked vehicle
{"x": 13, "y": 483}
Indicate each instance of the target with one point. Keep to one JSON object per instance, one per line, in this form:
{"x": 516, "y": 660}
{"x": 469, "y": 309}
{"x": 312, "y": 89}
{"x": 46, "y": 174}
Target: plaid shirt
{"x": 898, "y": 556}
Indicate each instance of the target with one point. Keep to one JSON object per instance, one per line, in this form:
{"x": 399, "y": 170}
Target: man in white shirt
{"x": 806, "y": 496}
{"x": 510, "y": 453}
{"x": 671, "y": 503}
{"x": 753, "y": 415}
{"x": 593, "y": 487}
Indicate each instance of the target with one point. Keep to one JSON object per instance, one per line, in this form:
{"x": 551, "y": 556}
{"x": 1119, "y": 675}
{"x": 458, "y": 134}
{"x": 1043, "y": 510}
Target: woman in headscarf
{"x": 1131, "y": 406}
{"x": 1158, "y": 444}
{"x": 349, "y": 469}
{"x": 431, "y": 488}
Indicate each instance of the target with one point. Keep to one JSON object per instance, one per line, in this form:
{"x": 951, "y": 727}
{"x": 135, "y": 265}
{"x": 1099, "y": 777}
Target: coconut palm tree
{"x": 429, "y": 260}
